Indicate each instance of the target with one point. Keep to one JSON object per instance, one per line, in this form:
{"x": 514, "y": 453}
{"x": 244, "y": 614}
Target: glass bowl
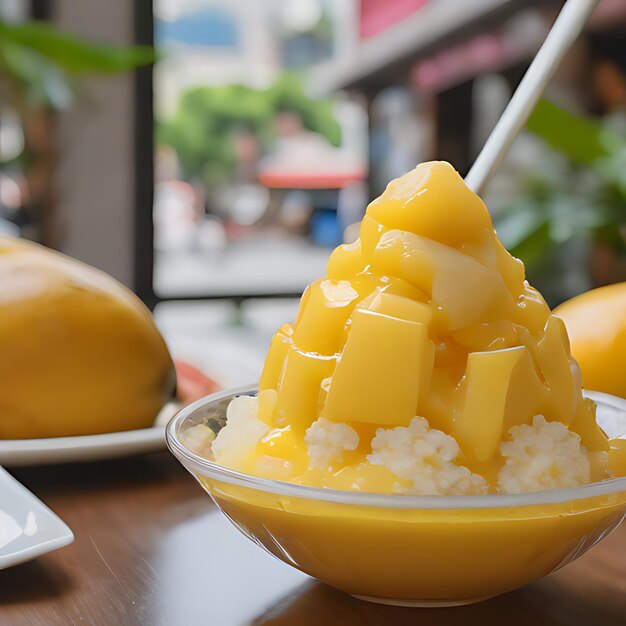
{"x": 408, "y": 550}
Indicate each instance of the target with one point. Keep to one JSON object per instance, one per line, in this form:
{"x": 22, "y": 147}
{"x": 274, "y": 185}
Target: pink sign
{"x": 378, "y": 15}
{"x": 483, "y": 53}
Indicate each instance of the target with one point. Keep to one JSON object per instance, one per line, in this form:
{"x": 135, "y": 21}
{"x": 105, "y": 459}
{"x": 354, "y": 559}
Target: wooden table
{"x": 151, "y": 549}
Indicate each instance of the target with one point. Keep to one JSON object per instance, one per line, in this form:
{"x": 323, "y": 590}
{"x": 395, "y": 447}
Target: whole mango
{"x": 596, "y": 324}
{"x": 79, "y": 353}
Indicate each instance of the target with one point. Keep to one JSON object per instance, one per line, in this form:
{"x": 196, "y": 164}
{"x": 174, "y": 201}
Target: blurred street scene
{"x": 256, "y": 179}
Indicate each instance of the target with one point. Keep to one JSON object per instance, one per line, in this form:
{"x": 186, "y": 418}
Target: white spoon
{"x": 565, "y": 30}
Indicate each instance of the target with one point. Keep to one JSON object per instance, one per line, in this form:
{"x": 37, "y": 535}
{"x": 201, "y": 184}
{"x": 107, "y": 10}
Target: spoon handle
{"x": 566, "y": 28}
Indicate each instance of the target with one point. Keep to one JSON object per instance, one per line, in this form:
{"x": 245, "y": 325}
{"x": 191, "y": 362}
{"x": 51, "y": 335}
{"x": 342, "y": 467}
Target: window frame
{"x": 143, "y": 223}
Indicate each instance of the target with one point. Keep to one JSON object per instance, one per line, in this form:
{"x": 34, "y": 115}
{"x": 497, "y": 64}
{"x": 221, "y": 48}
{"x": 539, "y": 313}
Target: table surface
{"x": 152, "y": 549}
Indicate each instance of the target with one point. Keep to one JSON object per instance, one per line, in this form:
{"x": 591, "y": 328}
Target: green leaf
{"x": 73, "y": 54}
{"x": 518, "y": 222}
{"x": 41, "y": 81}
{"x": 581, "y": 140}
{"x": 534, "y": 245}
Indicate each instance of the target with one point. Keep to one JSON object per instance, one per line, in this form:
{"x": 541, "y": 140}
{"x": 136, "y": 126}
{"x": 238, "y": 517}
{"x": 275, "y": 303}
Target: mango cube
{"x": 502, "y": 389}
{"x": 398, "y": 287}
{"x": 461, "y": 287}
{"x": 276, "y": 357}
{"x": 487, "y": 336}
{"x": 299, "y": 387}
{"x": 369, "y": 236}
{"x": 553, "y": 359}
{"x": 346, "y": 261}
{"x": 427, "y": 201}
{"x": 478, "y": 426}
{"x": 586, "y": 427}
{"x": 378, "y": 375}
{"x": 320, "y": 325}
{"x": 527, "y": 393}
{"x": 400, "y": 307}
{"x": 532, "y": 311}
{"x": 267, "y": 399}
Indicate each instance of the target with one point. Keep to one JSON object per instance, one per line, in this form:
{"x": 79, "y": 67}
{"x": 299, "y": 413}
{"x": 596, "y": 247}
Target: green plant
{"x": 571, "y": 218}
{"x": 207, "y": 118}
{"x": 40, "y": 71}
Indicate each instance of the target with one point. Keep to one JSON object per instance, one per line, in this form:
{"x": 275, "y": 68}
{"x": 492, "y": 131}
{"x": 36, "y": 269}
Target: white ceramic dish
{"x": 28, "y": 528}
{"x": 21, "y": 452}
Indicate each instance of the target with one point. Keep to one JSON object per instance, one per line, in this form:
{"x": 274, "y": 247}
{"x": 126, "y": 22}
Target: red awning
{"x": 309, "y": 180}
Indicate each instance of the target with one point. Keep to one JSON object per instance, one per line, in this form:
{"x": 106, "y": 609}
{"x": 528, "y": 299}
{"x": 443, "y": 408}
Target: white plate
{"x": 28, "y": 528}
{"x": 20, "y": 452}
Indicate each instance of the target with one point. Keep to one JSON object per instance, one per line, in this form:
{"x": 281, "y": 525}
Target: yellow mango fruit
{"x": 532, "y": 311}
{"x": 80, "y": 353}
{"x": 501, "y": 389}
{"x": 398, "y": 287}
{"x": 346, "y": 261}
{"x": 400, "y": 307}
{"x": 461, "y": 287}
{"x": 427, "y": 201}
{"x": 440, "y": 403}
{"x": 554, "y": 361}
{"x": 408, "y": 309}
{"x": 367, "y": 282}
{"x": 369, "y": 236}
{"x": 487, "y": 336}
{"x": 276, "y": 357}
{"x": 377, "y": 378}
{"x": 320, "y": 325}
{"x": 586, "y": 427}
{"x": 527, "y": 395}
{"x": 511, "y": 269}
{"x": 479, "y": 425}
{"x": 596, "y": 323}
{"x": 299, "y": 387}
{"x": 399, "y": 254}
{"x": 427, "y": 367}
{"x": 267, "y": 400}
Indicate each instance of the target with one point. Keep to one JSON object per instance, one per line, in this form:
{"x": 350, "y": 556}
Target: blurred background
{"x": 211, "y": 153}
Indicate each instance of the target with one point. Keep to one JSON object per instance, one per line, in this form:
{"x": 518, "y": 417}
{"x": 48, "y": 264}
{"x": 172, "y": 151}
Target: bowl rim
{"x": 195, "y": 463}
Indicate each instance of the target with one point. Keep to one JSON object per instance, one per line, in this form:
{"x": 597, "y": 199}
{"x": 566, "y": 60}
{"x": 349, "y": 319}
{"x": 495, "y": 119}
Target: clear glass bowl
{"x": 409, "y": 550}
